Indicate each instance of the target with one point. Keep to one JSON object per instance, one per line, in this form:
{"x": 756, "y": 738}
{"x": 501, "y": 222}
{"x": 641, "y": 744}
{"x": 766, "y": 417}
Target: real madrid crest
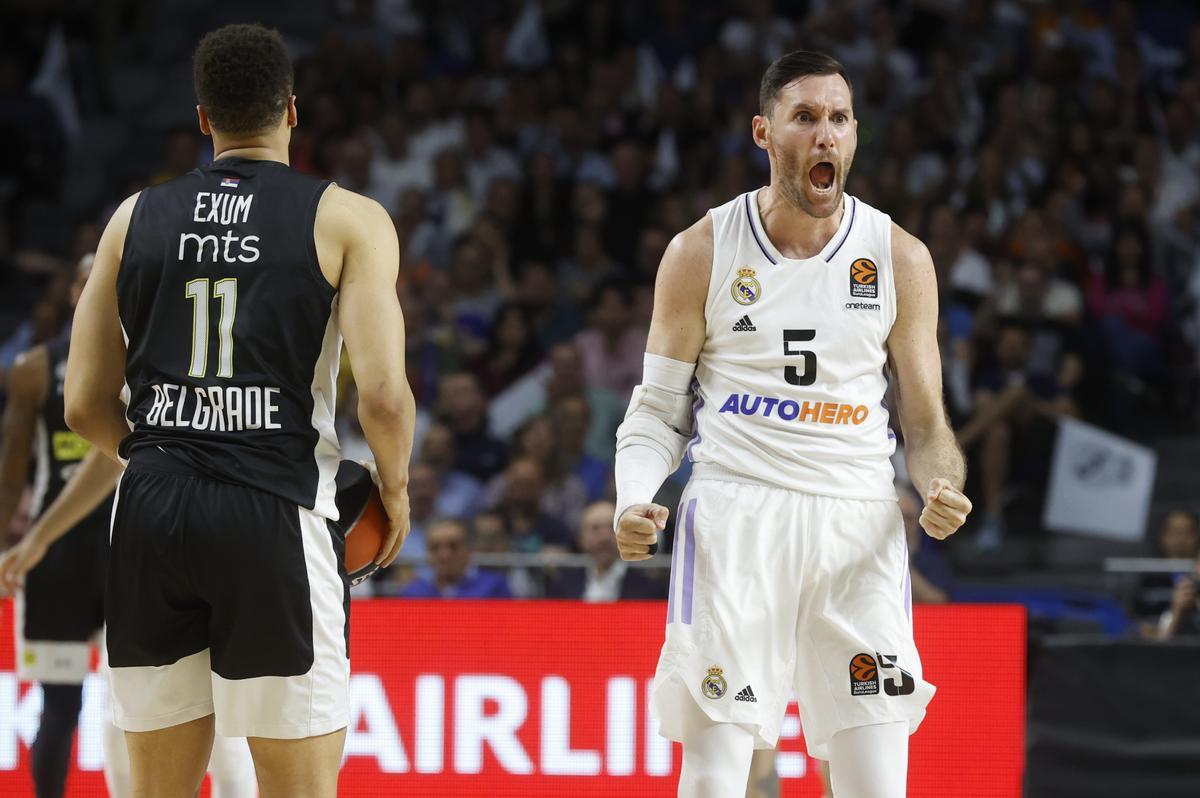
{"x": 746, "y": 289}
{"x": 714, "y": 685}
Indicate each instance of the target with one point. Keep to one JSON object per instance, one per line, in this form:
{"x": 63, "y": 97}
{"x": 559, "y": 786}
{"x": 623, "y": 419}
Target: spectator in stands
{"x": 1178, "y": 539}
{"x": 531, "y": 528}
{"x": 491, "y": 533}
{"x": 612, "y": 349}
{"x": 463, "y": 408}
{"x": 553, "y": 317}
{"x": 452, "y": 575}
{"x": 607, "y": 577}
{"x": 588, "y": 264}
{"x": 564, "y": 494}
{"x": 431, "y": 349}
{"x": 932, "y": 579}
{"x": 477, "y": 288}
{"x": 1015, "y": 407}
{"x": 1182, "y": 619}
{"x": 1130, "y": 302}
{"x": 572, "y": 420}
{"x": 394, "y": 170}
{"x": 460, "y": 493}
{"x": 424, "y": 487}
{"x": 511, "y": 352}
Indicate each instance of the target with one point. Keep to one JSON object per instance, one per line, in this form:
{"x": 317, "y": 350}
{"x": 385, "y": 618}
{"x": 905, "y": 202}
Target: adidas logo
{"x": 746, "y": 695}
{"x": 744, "y": 325}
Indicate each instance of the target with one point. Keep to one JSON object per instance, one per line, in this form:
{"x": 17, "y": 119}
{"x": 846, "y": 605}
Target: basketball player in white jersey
{"x": 777, "y": 318}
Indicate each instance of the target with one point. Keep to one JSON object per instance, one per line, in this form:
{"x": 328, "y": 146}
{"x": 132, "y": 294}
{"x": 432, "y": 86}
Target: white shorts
{"x": 775, "y": 592}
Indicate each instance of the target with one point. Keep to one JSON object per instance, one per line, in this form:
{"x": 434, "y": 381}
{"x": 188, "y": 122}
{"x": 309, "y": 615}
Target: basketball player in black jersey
{"x": 61, "y": 609}
{"x": 216, "y": 309}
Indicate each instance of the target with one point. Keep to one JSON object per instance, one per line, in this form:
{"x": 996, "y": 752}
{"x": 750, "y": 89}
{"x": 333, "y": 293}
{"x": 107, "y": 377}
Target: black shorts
{"x": 61, "y": 609}
{"x": 223, "y": 598}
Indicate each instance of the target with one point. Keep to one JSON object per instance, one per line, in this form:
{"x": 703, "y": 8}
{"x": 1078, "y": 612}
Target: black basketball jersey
{"x": 233, "y": 346}
{"x": 57, "y": 450}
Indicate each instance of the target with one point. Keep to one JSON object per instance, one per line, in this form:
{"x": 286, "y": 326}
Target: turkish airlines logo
{"x": 864, "y": 276}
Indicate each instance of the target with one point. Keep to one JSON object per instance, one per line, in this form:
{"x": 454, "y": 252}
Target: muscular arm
{"x": 28, "y": 381}
{"x": 677, "y": 324}
{"x": 91, "y": 484}
{"x": 96, "y": 360}
{"x": 651, "y": 439}
{"x": 934, "y": 459}
{"x": 372, "y": 325}
{"x": 88, "y": 486}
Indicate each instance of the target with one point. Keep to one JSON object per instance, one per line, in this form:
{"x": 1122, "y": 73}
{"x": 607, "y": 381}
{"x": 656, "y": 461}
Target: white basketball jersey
{"x": 790, "y": 382}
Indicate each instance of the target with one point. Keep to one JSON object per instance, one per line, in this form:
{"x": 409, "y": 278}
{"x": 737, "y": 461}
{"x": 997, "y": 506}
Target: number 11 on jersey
{"x": 225, "y": 290}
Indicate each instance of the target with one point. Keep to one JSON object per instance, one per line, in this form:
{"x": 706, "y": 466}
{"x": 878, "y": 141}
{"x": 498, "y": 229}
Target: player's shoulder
{"x": 29, "y": 373}
{"x": 910, "y": 256}
{"x": 349, "y": 218}
{"x": 350, "y": 208}
{"x": 690, "y": 253}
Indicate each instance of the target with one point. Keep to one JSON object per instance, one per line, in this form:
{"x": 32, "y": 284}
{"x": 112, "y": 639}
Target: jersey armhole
{"x": 310, "y": 243}
{"x": 127, "y": 243}
{"x": 715, "y": 279}
{"x": 890, "y": 276}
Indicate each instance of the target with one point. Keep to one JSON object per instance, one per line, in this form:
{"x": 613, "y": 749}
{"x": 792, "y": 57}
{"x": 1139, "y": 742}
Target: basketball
{"x": 362, "y": 518}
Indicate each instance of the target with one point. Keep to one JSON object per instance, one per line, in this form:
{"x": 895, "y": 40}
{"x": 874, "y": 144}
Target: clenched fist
{"x": 637, "y": 529}
{"x": 946, "y": 508}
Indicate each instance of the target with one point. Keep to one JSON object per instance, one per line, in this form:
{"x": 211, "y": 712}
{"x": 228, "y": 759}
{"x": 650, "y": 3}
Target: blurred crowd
{"x": 537, "y": 158}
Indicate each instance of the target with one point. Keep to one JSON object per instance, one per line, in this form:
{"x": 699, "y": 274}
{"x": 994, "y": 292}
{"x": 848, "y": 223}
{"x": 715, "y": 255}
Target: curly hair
{"x": 243, "y": 78}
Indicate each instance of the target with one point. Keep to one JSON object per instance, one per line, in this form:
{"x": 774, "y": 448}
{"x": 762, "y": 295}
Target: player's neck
{"x": 795, "y": 233}
{"x": 256, "y": 148}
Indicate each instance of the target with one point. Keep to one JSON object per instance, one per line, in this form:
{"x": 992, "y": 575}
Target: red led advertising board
{"x": 533, "y": 698}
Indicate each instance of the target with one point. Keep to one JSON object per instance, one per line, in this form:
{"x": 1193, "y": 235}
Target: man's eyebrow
{"x": 803, "y": 105}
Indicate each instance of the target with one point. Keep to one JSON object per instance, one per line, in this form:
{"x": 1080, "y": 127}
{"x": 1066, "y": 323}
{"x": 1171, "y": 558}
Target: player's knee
{"x": 230, "y": 760}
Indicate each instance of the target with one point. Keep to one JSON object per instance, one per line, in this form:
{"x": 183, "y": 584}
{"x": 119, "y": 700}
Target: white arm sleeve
{"x": 656, "y": 430}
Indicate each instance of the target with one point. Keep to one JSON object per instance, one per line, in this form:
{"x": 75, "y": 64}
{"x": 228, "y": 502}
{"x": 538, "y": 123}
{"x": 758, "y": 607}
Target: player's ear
{"x": 202, "y": 116}
{"x": 760, "y": 128}
{"x": 292, "y": 117}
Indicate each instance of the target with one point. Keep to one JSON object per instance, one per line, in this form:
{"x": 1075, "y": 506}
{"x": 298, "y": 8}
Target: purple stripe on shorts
{"x": 907, "y": 588}
{"x": 674, "y": 567}
{"x": 689, "y": 564}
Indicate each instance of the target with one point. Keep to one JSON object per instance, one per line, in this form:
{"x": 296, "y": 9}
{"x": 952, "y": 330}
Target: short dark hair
{"x": 790, "y": 67}
{"x": 243, "y": 78}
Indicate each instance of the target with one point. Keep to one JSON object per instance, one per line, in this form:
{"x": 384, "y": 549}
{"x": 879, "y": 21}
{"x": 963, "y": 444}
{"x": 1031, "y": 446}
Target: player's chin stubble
{"x": 794, "y": 180}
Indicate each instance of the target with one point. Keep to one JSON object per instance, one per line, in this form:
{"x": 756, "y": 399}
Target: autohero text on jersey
{"x": 791, "y": 410}
{"x": 216, "y": 408}
{"x": 220, "y": 208}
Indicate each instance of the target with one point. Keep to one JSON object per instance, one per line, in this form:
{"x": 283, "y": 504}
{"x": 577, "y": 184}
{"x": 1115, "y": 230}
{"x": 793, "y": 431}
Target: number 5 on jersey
{"x": 226, "y": 291}
{"x": 790, "y": 373}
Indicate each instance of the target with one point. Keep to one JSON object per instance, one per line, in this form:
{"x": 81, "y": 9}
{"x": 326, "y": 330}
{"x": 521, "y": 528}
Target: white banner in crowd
{"x": 1100, "y": 483}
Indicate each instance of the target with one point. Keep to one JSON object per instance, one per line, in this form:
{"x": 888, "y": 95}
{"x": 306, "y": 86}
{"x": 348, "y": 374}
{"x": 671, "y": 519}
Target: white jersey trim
{"x": 327, "y": 452}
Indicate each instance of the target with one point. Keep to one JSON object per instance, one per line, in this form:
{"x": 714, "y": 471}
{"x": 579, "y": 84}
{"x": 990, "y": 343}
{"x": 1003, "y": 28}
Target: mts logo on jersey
{"x": 864, "y": 279}
{"x": 222, "y": 208}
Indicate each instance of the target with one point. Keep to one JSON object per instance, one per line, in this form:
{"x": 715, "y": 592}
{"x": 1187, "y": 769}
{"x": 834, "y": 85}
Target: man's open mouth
{"x": 822, "y": 176}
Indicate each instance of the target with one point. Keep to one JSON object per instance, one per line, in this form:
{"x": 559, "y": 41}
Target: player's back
{"x": 231, "y": 329}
